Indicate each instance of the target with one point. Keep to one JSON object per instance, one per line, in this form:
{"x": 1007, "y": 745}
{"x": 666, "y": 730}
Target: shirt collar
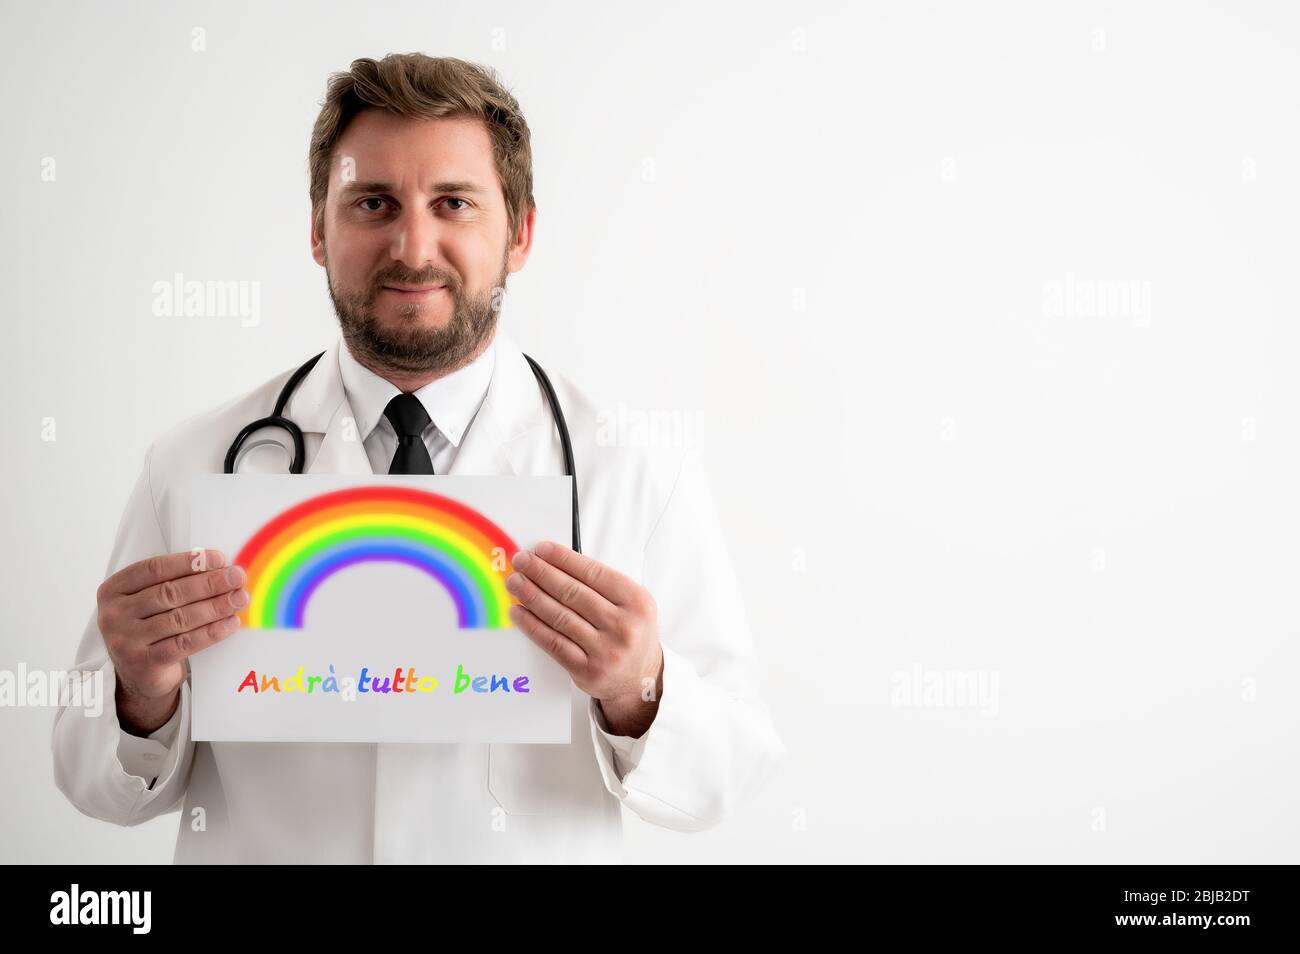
{"x": 451, "y": 401}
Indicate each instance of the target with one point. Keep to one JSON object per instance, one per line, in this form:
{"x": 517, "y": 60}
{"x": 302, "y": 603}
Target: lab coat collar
{"x": 497, "y": 441}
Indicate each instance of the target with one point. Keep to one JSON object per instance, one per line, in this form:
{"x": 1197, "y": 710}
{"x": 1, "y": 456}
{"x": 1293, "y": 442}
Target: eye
{"x": 371, "y": 198}
{"x": 464, "y": 203}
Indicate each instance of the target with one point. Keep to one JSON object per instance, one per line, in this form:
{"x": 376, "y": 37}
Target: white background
{"x": 831, "y": 231}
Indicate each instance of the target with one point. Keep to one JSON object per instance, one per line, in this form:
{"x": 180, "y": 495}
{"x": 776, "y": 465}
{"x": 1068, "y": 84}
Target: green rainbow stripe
{"x": 288, "y": 558}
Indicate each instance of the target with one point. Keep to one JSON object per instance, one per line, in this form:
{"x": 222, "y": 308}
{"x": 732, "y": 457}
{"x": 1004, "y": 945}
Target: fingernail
{"x": 520, "y": 559}
{"x": 239, "y": 599}
{"x": 543, "y": 548}
{"x": 235, "y": 576}
{"x": 513, "y": 582}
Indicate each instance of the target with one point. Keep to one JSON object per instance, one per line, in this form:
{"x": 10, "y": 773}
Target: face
{"x": 415, "y": 241}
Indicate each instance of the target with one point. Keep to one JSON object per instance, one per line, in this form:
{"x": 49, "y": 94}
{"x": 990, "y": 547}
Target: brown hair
{"x": 426, "y": 87}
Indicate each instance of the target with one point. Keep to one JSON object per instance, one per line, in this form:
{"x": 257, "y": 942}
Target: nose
{"x": 415, "y": 241}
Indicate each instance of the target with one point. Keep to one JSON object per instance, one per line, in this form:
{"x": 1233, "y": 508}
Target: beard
{"x": 409, "y": 346}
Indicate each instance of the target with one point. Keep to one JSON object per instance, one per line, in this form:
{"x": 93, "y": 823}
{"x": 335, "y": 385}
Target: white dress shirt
{"x": 451, "y": 402}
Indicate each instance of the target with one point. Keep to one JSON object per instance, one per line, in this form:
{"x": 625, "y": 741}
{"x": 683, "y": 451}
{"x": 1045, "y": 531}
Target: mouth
{"x": 414, "y": 292}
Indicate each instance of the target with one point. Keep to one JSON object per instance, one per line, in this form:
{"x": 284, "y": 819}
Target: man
{"x": 421, "y": 205}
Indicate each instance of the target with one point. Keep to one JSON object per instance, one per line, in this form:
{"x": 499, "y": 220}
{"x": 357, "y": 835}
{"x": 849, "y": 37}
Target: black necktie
{"x": 409, "y": 419}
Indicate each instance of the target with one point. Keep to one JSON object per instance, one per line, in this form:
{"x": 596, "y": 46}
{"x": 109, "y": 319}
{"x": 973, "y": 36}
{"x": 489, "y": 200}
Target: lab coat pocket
{"x": 545, "y": 779}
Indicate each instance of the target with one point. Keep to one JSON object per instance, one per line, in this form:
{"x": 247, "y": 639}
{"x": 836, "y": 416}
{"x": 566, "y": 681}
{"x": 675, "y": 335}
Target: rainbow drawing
{"x": 289, "y": 557}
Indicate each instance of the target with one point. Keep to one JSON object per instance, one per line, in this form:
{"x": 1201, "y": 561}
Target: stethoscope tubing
{"x": 277, "y": 419}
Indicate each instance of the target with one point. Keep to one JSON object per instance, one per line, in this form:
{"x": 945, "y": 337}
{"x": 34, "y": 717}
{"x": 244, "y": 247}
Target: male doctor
{"x": 421, "y": 195}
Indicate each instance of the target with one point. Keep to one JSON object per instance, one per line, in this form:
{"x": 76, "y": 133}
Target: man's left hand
{"x": 597, "y": 623}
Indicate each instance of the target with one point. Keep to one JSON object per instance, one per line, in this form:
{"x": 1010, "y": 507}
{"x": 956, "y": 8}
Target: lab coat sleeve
{"x": 627, "y": 750}
{"x": 712, "y": 742}
{"x": 144, "y": 755}
{"x": 104, "y": 771}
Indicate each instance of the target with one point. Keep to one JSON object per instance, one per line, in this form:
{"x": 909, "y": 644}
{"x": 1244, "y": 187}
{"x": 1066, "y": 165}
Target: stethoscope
{"x": 277, "y": 419}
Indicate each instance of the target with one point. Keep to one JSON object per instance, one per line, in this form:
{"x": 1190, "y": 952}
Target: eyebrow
{"x": 354, "y": 188}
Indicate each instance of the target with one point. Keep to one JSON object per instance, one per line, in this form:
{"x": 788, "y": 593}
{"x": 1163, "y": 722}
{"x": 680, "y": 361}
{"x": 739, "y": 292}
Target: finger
{"x": 574, "y": 594}
{"x": 559, "y": 647}
{"x": 191, "y": 616}
{"x": 182, "y": 645}
{"x": 172, "y": 594}
{"x": 146, "y": 573}
{"x": 556, "y": 615}
{"x": 608, "y": 582}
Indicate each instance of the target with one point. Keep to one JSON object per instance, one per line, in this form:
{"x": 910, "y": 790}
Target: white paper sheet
{"x": 379, "y": 615}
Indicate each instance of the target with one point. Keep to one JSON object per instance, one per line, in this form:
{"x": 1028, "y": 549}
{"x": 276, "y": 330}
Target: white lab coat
{"x": 645, "y": 511}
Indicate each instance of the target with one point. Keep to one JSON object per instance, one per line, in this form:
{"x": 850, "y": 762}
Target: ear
{"x": 522, "y": 244}
{"x": 317, "y": 242}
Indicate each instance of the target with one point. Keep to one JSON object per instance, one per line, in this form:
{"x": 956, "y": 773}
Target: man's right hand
{"x": 153, "y": 615}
